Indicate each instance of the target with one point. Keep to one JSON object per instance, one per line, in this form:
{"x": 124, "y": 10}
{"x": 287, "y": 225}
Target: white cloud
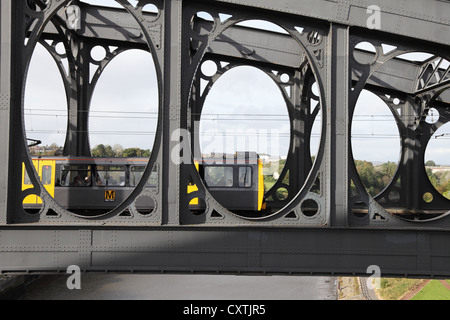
{"x": 438, "y": 148}
{"x": 375, "y": 135}
{"x": 124, "y": 105}
{"x": 125, "y": 101}
{"x": 246, "y": 105}
{"x": 45, "y": 101}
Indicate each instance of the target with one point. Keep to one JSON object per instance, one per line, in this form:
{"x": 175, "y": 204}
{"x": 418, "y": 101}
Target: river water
{"x": 98, "y": 286}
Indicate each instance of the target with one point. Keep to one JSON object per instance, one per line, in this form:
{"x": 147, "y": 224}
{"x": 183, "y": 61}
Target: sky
{"x": 245, "y": 107}
{"x": 45, "y": 105}
{"x": 124, "y": 105}
{"x": 375, "y": 136}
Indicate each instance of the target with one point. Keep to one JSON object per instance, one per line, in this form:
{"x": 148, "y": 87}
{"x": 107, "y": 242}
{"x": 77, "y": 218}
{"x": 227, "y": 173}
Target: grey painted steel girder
{"x": 113, "y": 25}
{"x": 417, "y": 19}
{"x": 334, "y": 240}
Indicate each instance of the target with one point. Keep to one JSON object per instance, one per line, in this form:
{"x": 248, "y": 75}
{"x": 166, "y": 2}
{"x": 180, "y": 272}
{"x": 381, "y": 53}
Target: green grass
{"x": 434, "y": 290}
{"x": 394, "y": 288}
{"x": 268, "y": 184}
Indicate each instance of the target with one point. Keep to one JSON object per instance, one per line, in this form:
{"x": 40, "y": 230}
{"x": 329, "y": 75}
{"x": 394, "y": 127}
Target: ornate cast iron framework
{"x": 318, "y": 47}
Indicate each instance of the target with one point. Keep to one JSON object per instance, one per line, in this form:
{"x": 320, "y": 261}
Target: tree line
{"x": 440, "y": 179}
{"x": 99, "y": 151}
{"x": 376, "y": 178}
{"x": 47, "y": 150}
{"x": 117, "y": 151}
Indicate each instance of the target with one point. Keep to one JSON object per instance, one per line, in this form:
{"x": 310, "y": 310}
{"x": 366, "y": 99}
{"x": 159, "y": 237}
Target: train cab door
{"x": 26, "y": 184}
{"x": 47, "y": 175}
{"x": 46, "y": 172}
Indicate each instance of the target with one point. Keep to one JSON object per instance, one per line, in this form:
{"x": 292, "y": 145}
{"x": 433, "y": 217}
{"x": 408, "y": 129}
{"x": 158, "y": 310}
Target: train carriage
{"x": 91, "y": 186}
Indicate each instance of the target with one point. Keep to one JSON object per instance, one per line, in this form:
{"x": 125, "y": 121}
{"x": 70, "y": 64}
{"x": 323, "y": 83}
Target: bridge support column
{"x": 5, "y": 101}
{"x": 12, "y": 70}
{"x": 172, "y": 110}
{"x": 338, "y": 97}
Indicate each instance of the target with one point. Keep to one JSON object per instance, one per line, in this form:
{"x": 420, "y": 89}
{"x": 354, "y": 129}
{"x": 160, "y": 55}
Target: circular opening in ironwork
{"x": 282, "y": 193}
{"x": 98, "y": 53}
{"x": 432, "y": 116}
{"x": 437, "y": 161}
{"x": 394, "y": 196}
{"x": 32, "y": 204}
{"x": 375, "y": 142}
{"x": 427, "y": 197}
{"x": 431, "y": 70}
{"x": 116, "y": 121}
{"x": 365, "y": 53}
{"x": 201, "y": 23}
{"x": 245, "y": 111}
{"x": 150, "y": 8}
{"x": 209, "y": 68}
{"x": 250, "y": 109}
{"x": 310, "y": 207}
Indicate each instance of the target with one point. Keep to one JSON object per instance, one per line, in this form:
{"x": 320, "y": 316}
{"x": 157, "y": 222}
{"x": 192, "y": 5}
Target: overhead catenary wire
{"x": 127, "y": 112}
{"x": 225, "y": 134}
{"x": 206, "y": 117}
{"x": 153, "y": 115}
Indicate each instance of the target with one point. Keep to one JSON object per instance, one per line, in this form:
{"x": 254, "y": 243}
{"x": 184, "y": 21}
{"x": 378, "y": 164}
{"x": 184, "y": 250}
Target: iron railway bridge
{"x": 327, "y": 224}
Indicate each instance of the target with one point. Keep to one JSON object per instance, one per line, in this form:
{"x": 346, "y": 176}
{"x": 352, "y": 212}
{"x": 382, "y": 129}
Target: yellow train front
{"x": 236, "y": 182}
{"x": 92, "y": 186}
{"x": 89, "y": 186}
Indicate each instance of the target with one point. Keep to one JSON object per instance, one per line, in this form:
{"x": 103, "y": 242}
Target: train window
{"x": 245, "y": 177}
{"x": 116, "y": 176}
{"x": 136, "y": 176}
{"x": 76, "y": 176}
{"x": 26, "y": 179}
{"x": 46, "y": 175}
{"x": 111, "y": 176}
{"x": 219, "y": 176}
{"x": 101, "y": 177}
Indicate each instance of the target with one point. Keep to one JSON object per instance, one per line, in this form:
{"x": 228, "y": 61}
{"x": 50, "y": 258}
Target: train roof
{"x": 94, "y": 160}
{"x": 214, "y": 158}
{"x": 229, "y": 158}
